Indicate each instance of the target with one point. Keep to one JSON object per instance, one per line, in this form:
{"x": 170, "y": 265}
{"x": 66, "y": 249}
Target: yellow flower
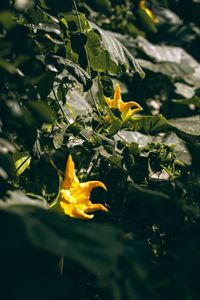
{"x": 148, "y": 12}
{"x": 74, "y": 198}
{"x": 126, "y": 108}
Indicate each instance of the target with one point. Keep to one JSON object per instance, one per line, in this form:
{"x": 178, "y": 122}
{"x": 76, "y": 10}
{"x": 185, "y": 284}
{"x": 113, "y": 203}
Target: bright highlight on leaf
{"x": 74, "y": 199}
{"x": 22, "y": 161}
{"x": 148, "y": 12}
{"x": 127, "y": 109}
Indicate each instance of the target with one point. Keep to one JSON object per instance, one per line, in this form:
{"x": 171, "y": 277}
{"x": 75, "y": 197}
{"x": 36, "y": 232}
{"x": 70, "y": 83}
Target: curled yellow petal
{"x": 90, "y": 185}
{"x": 117, "y": 95}
{"x": 70, "y": 176}
{"x": 130, "y": 104}
{"x": 97, "y": 206}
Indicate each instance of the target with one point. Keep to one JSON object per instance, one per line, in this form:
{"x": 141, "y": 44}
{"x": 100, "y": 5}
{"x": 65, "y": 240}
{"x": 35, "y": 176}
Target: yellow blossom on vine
{"x": 74, "y": 199}
{"x": 148, "y": 12}
{"x": 127, "y": 109}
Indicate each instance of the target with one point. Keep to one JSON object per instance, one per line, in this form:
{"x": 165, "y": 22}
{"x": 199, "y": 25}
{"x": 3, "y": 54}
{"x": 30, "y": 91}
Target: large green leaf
{"x": 184, "y": 90}
{"x": 94, "y": 246}
{"x": 17, "y": 198}
{"x": 169, "y": 138}
{"x": 187, "y": 129}
{"x": 190, "y": 125}
{"x": 107, "y": 54}
{"x": 150, "y": 124}
{"x": 173, "y": 70}
{"x": 160, "y": 53}
{"x": 171, "y": 61}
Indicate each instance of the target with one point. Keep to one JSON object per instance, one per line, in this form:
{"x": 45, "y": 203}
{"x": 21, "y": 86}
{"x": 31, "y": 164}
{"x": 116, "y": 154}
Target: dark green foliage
{"x": 57, "y": 61}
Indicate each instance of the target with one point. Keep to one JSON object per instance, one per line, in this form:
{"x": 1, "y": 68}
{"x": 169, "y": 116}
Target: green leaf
{"x": 184, "y": 90}
{"x": 115, "y": 125}
{"x": 17, "y": 198}
{"x": 22, "y": 161}
{"x": 58, "y": 137}
{"x": 54, "y": 38}
{"x": 173, "y": 70}
{"x": 7, "y": 19}
{"x": 189, "y": 125}
{"x": 182, "y": 153}
{"x": 161, "y": 53}
{"x": 115, "y": 160}
{"x": 72, "y": 19}
{"x": 94, "y": 246}
{"x": 133, "y": 137}
{"x": 107, "y": 54}
{"x": 171, "y": 61}
{"x": 48, "y": 27}
{"x": 77, "y": 105}
{"x": 41, "y": 111}
{"x": 150, "y": 124}
{"x": 160, "y": 207}
{"x": 74, "y": 69}
{"x": 134, "y": 148}
{"x": 10, "y": 68}
{"x": 187, "y": 129}
{"x": 194, "y": 101}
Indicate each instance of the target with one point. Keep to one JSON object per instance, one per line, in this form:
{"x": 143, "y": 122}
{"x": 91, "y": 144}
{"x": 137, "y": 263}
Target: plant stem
{"x": 88, "y": 59}
{"x": 66, "y": 120}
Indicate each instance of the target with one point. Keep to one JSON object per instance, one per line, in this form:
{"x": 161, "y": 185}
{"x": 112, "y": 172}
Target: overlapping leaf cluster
{"x": 58, "y": 61}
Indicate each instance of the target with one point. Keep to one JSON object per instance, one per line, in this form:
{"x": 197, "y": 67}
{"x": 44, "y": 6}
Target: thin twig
{"x": 60, "y": 107}
{"x": 55, "y": 167}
